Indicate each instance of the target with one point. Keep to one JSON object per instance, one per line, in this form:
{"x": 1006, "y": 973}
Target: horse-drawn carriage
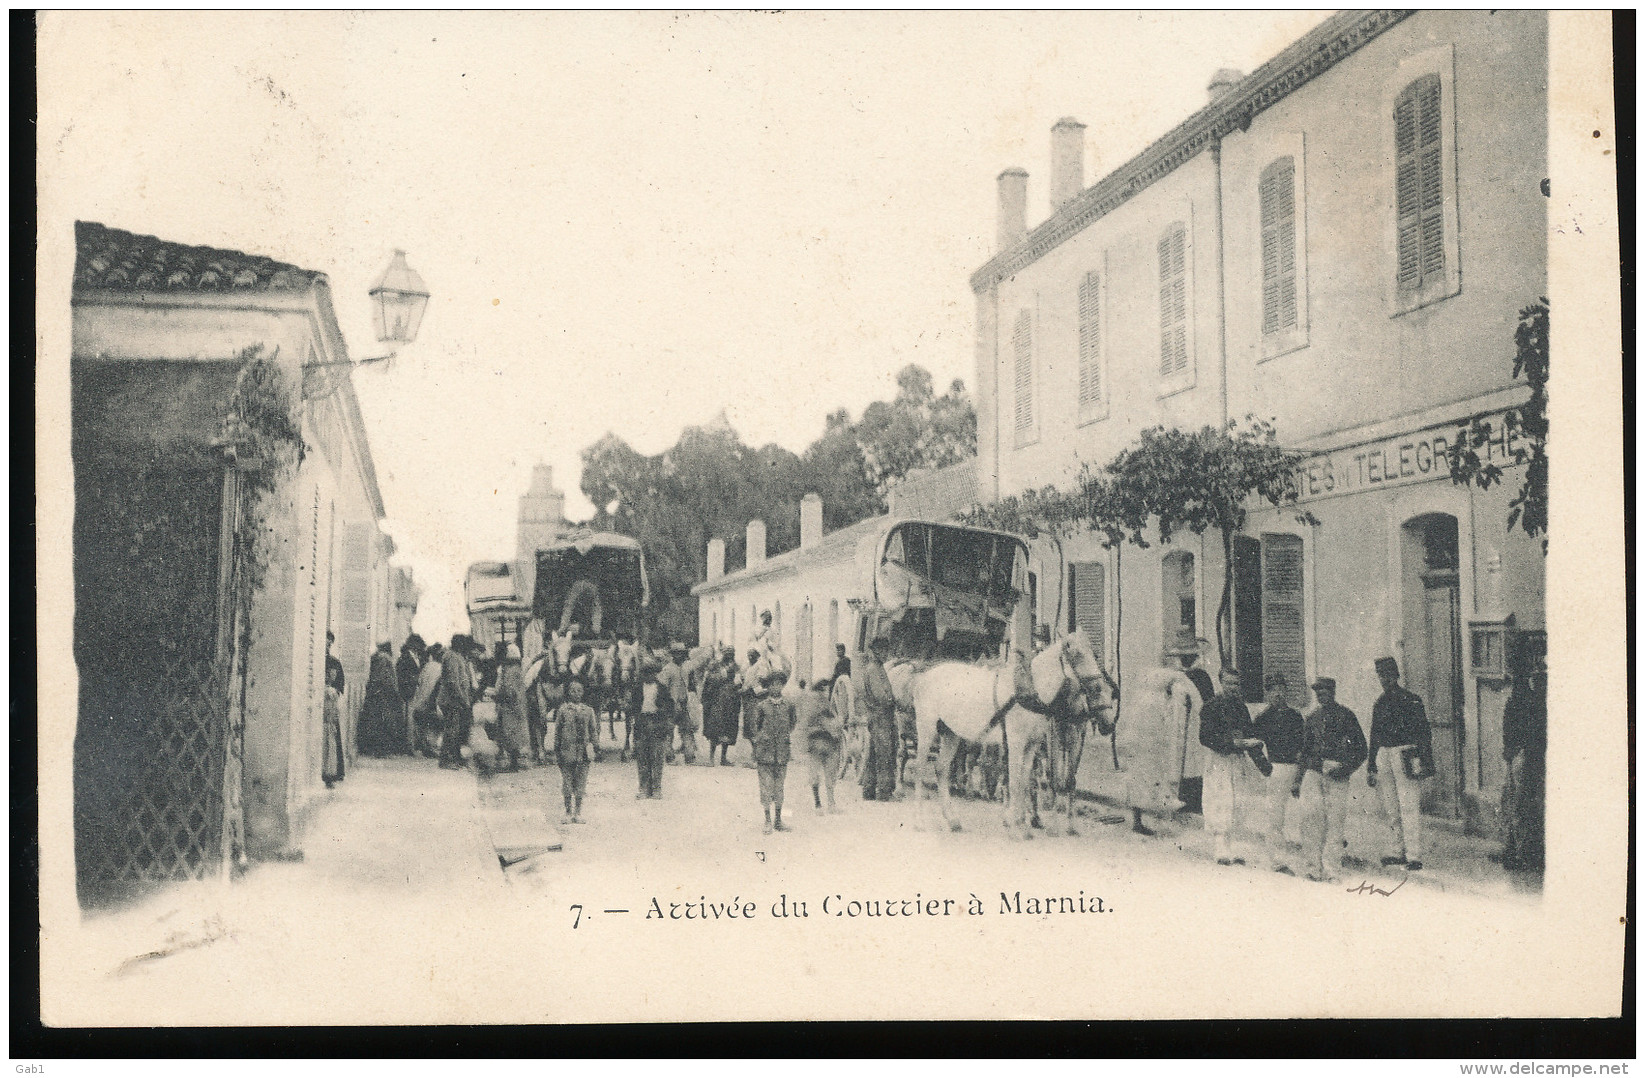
{"x": 955, "y": 605}
{"x": 589, "y": 603}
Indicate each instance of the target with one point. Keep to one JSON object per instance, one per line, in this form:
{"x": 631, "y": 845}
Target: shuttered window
{"x": 1090, "y": 347}
{"x": 1282, "y": 639}
{"x": 1276, "y": 196}
{"x": 1268, "y": 614}
{"x": 1419, "y": 187}
{"x": 1022, "y": 348}
{"x": 1173, "y": 300}
{"x": 354, "y": 638}
{"x": 1247, "y": 611}
{"x": 1085, "y": 602}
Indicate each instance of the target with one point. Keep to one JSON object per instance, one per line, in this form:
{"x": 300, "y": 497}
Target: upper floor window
{"x": 1277, "y": 196}
{"x": 1173, "y": 301}
{"x": 1424, "y": 220}
{"x": 1419, "y": 189}
{"x": 1022, "y": 349}
{"x": 1090, "y": 364}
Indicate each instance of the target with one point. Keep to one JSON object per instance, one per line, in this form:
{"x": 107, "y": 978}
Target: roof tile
{"x": 116, "y": 260}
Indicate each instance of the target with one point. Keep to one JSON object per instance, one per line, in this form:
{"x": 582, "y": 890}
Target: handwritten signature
{"x": 1366, "y": 887}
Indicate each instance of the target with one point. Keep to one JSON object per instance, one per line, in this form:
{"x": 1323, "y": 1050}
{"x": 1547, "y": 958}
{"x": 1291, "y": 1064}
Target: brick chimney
{"x": 1013, "y": 208}
{"x": 1067, "y": 161}
{"x": 811, "y": 520}
{"x": 716, "y": 558}
{"x": 756, "y": 543}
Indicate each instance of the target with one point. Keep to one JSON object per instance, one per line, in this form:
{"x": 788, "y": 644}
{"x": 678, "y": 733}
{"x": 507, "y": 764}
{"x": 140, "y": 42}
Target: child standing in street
{"x": 773, "y": 725}
{"x": 574, "y": 732}
{"x": 822, "y": 733}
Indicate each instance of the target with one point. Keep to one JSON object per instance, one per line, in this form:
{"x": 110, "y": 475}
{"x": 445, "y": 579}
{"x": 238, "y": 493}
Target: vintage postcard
{"x": 571, "y": 517}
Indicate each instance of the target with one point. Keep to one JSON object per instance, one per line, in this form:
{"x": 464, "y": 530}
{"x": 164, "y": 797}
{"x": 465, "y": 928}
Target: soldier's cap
{"x": 1324, "y": 683}
{"x": 1387, "y": 665}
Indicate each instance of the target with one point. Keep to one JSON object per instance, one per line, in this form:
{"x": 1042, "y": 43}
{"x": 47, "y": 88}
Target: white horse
{"x": 979, "y": 703}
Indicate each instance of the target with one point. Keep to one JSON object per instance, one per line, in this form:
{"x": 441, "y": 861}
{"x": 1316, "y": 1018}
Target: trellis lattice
{"x": 170, "y": 825}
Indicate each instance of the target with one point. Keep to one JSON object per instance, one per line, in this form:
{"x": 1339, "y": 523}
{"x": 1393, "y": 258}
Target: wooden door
{"x": 1441, "y": 692}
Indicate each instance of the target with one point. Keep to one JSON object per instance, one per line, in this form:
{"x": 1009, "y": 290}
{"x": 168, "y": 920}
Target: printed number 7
{"x": 579, "y": 908}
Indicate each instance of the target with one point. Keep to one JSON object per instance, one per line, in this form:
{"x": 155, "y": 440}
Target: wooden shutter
{"x": 1276, "y": 195}
{"x": 1282, "y": 636}
{"x": 1086, "y": 596}
{"x": 1090, "y": 346}
{"x": 1022, "y": 344}
{"x": 1419, "y": 186}
{"x": 354, "y": 641}
{"x": 1173, "y": 300}
{"x": 1247, "y": 603}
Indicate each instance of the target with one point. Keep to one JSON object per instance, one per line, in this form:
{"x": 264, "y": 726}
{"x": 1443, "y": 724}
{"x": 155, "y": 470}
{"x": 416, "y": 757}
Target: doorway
{"x": 1433, "y": 650}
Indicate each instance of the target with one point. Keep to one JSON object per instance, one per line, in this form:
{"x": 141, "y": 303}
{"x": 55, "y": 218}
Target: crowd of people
{"x": 1278, "y": 756}
{"x": 468, "y": 707}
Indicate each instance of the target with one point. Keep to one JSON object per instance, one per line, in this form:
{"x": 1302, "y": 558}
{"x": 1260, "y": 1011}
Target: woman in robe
{"x": 721, "y": 704}
{"x": 513, "y": 732}
{"x": 382, "y": 715}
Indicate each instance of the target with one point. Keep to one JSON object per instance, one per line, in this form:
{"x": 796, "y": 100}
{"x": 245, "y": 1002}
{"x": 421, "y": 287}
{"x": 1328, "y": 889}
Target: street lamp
{"x": 398, "y": 301}
{"x": 400, "y": 297}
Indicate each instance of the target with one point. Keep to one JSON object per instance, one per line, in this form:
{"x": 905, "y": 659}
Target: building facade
{"x": 200, "y": 720}
{"x": 1342, "y": 242}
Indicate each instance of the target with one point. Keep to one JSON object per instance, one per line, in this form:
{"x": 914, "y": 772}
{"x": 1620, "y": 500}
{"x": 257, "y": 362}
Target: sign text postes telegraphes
{"x": 1395, "y": 461}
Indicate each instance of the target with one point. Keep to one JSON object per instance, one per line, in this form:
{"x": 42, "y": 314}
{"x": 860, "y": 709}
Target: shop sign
{"x": 1396, "y": 461}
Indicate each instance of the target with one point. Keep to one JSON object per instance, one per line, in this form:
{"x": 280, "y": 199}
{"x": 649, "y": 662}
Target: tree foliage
{"x": 916, "y": 429}
{"x": 1525, "y": 434}
{"x": 1168, "y": 482}
{"x": 710, "y": 483}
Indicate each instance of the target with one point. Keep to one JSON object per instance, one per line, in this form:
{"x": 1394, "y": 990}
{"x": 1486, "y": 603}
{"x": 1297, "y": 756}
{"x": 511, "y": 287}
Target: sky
{"x": 627, "y": 221}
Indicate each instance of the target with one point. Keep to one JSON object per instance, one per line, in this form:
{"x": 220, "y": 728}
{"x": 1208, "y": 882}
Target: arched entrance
{"x": 1433, "y": 649}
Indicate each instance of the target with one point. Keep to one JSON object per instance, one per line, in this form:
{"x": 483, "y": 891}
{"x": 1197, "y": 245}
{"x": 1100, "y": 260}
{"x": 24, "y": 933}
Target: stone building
{"x": 202, "y": 601}
{"x": 1342, "y": 241}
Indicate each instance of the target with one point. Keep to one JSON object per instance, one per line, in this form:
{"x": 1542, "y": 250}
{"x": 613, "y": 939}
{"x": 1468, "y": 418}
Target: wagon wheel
{"x": 1042, "y": 794}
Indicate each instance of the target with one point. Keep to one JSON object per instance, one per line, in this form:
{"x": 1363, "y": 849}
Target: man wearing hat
{"x": 575, "y": 728}
{"x": 1225, "y": 731}
{"x": 1402, "y": 744}
{"x": 653, "y": 711}
{"x": 1279, "y": 728}
{"x": 879, "y": 708}
{"x": 672, "y": 678}
{"x": 773, "y": 727}
{"x": 1187, "y": 649}
{"x": 1333, "y": 747}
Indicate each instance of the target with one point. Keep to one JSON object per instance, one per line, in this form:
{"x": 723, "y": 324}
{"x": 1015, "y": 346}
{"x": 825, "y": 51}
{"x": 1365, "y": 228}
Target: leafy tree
{"x": 917, "y": 429}
{"x": 1525, "y": 433}
{"x": 709, "y": 484}
{"x": 1196, "y": 481}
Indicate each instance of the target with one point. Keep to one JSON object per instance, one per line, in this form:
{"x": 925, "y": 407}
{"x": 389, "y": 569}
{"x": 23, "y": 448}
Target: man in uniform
{"x": 1279, "y": 728}
{"x": 879, "y": 710}
{"x": 1225, "y": 731}
{"x": 1401, "y": 744}
{"x": 1333, "y": 747}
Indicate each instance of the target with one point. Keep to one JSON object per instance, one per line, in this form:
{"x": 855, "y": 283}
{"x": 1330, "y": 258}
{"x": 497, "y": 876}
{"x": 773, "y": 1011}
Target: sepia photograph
{"x": 607, "y": 517}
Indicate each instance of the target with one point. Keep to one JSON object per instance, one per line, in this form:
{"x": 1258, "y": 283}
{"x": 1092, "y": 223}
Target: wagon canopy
{"x": 594, "y": 580}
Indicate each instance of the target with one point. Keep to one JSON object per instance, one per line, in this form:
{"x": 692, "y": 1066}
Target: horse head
{"x": 1083, "y": 676}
